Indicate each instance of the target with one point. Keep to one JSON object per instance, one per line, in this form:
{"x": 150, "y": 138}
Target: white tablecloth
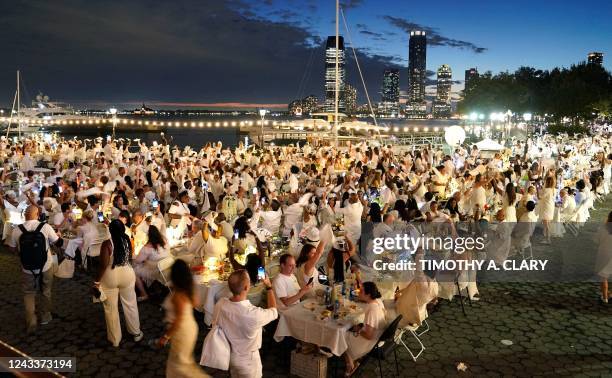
{"x": 209, "y": 293}
{"x": 303, "y": 324}
{"x": 72, "y": 245}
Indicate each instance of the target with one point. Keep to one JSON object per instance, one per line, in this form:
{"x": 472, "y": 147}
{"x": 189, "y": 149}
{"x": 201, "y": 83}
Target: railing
{"x": 8, "y": 351}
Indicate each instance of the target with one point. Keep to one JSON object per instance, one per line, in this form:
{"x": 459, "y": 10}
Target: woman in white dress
{"x": 546, "y": 206}
{"x": 604, "y": 257}
{"x": 306, "y": 264}
{"x": 182, "y": 328}
{"x": 509, "y": 201}
{"x": 145, "y": 264}
{"x": 364, "y": 336}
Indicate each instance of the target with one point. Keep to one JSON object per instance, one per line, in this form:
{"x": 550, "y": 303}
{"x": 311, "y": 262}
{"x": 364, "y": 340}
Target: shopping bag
{"x": 216, "y": 349}
{"x": 65, "y": 269}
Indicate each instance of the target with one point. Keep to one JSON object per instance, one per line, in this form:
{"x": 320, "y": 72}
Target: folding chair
{"x": 385, "y": 345}
{"x": 162, "y": 266}
{"x": 417, "y": 335}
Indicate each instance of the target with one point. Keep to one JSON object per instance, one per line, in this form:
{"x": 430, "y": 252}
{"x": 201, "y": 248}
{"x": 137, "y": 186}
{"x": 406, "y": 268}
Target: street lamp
{"x": 262, "y": 114}
{"x": 113, "y": 112}
{"x": 527, "y": 119}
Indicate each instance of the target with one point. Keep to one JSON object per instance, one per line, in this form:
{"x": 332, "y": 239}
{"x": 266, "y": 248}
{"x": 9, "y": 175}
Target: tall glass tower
{"x": 417, "y": 72}
{"x": 442, "y": 105}
{"x": 330, "y": 74}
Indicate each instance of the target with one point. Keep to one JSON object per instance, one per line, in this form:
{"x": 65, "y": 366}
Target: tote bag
{"x": 216, "y": 349}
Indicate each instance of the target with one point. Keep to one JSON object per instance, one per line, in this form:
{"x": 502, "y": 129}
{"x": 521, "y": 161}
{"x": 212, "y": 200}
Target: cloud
{"x": 350, "y": 4}
{"x": 217, "y": 52}
{"x": 434, "y": 38}
{"x": 363, "y": 29}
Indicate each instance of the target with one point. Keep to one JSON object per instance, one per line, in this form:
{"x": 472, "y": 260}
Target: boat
{"x": 42, "y": 112}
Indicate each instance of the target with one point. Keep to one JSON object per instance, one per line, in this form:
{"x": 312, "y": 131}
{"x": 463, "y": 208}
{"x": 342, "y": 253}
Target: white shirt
{"x": 46, "y": 230}
{"x": 285, "y": 286}
{"x": 242, "y": 324}
{"x": 270, "y": 220}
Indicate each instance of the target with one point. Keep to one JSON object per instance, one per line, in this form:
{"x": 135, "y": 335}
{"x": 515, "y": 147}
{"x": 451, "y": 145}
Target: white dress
{"x": 510, "y": 208}
{"x": 145, "y": 264}
{"x": 604, "y": 253}
{"x": 180, "y": 358}
{"x": 374, "y": 317}
{"x": 546, "y": 204}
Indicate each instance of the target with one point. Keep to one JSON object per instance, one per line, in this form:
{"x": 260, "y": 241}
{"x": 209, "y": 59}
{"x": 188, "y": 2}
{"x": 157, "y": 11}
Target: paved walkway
{"x": 556, "y": 329}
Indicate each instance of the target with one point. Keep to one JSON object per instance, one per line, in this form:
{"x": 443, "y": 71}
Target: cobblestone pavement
{"x": 557, "y": 329}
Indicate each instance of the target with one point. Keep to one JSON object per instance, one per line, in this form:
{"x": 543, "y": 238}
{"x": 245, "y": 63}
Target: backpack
{"x": 33, "y": 249}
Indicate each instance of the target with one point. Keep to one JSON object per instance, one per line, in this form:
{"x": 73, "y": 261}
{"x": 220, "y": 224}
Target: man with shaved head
{"x": 242, "y": 323}
{"x": 35, "y": 280}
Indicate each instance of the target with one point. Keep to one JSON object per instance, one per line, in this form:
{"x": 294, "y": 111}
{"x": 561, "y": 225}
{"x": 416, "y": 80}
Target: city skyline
{"x": 237, "y": 54}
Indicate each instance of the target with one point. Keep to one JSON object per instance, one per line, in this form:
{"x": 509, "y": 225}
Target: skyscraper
{"x": 417, "y": 71}
{"x": 391, "y": 88}
{"x": 390, "y": 93}
{"x": 595, "y": 58}
{"x": 442, "y": 104}
{"x": 470, "y": 74}
{"x": 330, "y": 74}
{"x": 350, "y": 99}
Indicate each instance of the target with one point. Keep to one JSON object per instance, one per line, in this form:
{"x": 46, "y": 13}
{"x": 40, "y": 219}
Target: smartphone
{"x": 100, "y": 217}
{"x": 263, "y": 200}
{"x": 59, "y": 189}
{"x": 155, "y": 203}
{"x": 236, "y": 235}
{"x": 310, "y": 281}
{"x": 254, "y": 191}
{"x": 205, "y": 185}
{"x": 261, "y": 273}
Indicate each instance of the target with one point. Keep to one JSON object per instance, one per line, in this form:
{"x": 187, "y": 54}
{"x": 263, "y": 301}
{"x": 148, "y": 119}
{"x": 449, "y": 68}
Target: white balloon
{"x": 454, "y": 135}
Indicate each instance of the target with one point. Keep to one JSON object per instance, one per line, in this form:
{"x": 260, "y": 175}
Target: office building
{"x": 417, "y": 74}
{"x": 470, "y": 74}
{"x": 350, "y": 99}
{"x": 389, "y": 106}
{"x": 595, "y": 58}
{"x": 330, "y": 74}
{"x": 442, "y": 105}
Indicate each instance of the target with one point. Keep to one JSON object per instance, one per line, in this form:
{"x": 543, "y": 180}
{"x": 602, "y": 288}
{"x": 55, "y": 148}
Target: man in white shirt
{"x": 37, "y": 279}
{"x": 270, "y": 217}
{"x": 286, "y": 286}
{"x": 242, "y": 324}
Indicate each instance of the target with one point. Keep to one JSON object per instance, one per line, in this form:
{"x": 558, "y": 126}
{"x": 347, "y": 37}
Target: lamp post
{"x": 527, "y": 119}
{"x": 113, "y": 111}
{"x": 262, "y": 114}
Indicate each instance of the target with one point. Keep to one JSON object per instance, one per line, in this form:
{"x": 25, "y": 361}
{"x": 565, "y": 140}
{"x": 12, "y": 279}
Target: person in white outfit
{"x": 242, "y": 324}
{"x": 116, "y": 279}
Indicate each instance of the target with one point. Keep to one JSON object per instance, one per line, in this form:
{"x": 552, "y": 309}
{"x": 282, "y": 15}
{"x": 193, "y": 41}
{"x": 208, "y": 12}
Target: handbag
{"x": 65, "y": 269}
{"x": 216, "y": 349}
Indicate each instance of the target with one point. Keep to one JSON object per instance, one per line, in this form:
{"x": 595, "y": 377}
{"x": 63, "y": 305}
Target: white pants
{"x": 246, "y": 365}
{"x": 115, "y": 283}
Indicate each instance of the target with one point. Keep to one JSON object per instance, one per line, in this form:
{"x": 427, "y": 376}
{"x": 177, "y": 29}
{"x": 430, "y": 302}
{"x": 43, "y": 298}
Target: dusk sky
{"x": 249, "y": 53}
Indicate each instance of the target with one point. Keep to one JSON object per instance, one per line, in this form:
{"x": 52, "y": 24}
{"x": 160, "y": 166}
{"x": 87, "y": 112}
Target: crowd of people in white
{"x": 130, "y": 205}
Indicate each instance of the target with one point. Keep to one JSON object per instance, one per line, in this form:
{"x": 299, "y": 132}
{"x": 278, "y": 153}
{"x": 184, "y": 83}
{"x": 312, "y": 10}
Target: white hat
{"x": 311, "y": 235}
{"x": 352, "y": 191}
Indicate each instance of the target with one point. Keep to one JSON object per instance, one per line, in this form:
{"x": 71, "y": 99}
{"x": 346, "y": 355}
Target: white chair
{"x": 162, "y": 266}
{"x": 414, "y": 331}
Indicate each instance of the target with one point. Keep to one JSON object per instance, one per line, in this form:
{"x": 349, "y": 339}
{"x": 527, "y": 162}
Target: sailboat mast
{"x": 337, "y": 73}
{"x": 18, "y": 105}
